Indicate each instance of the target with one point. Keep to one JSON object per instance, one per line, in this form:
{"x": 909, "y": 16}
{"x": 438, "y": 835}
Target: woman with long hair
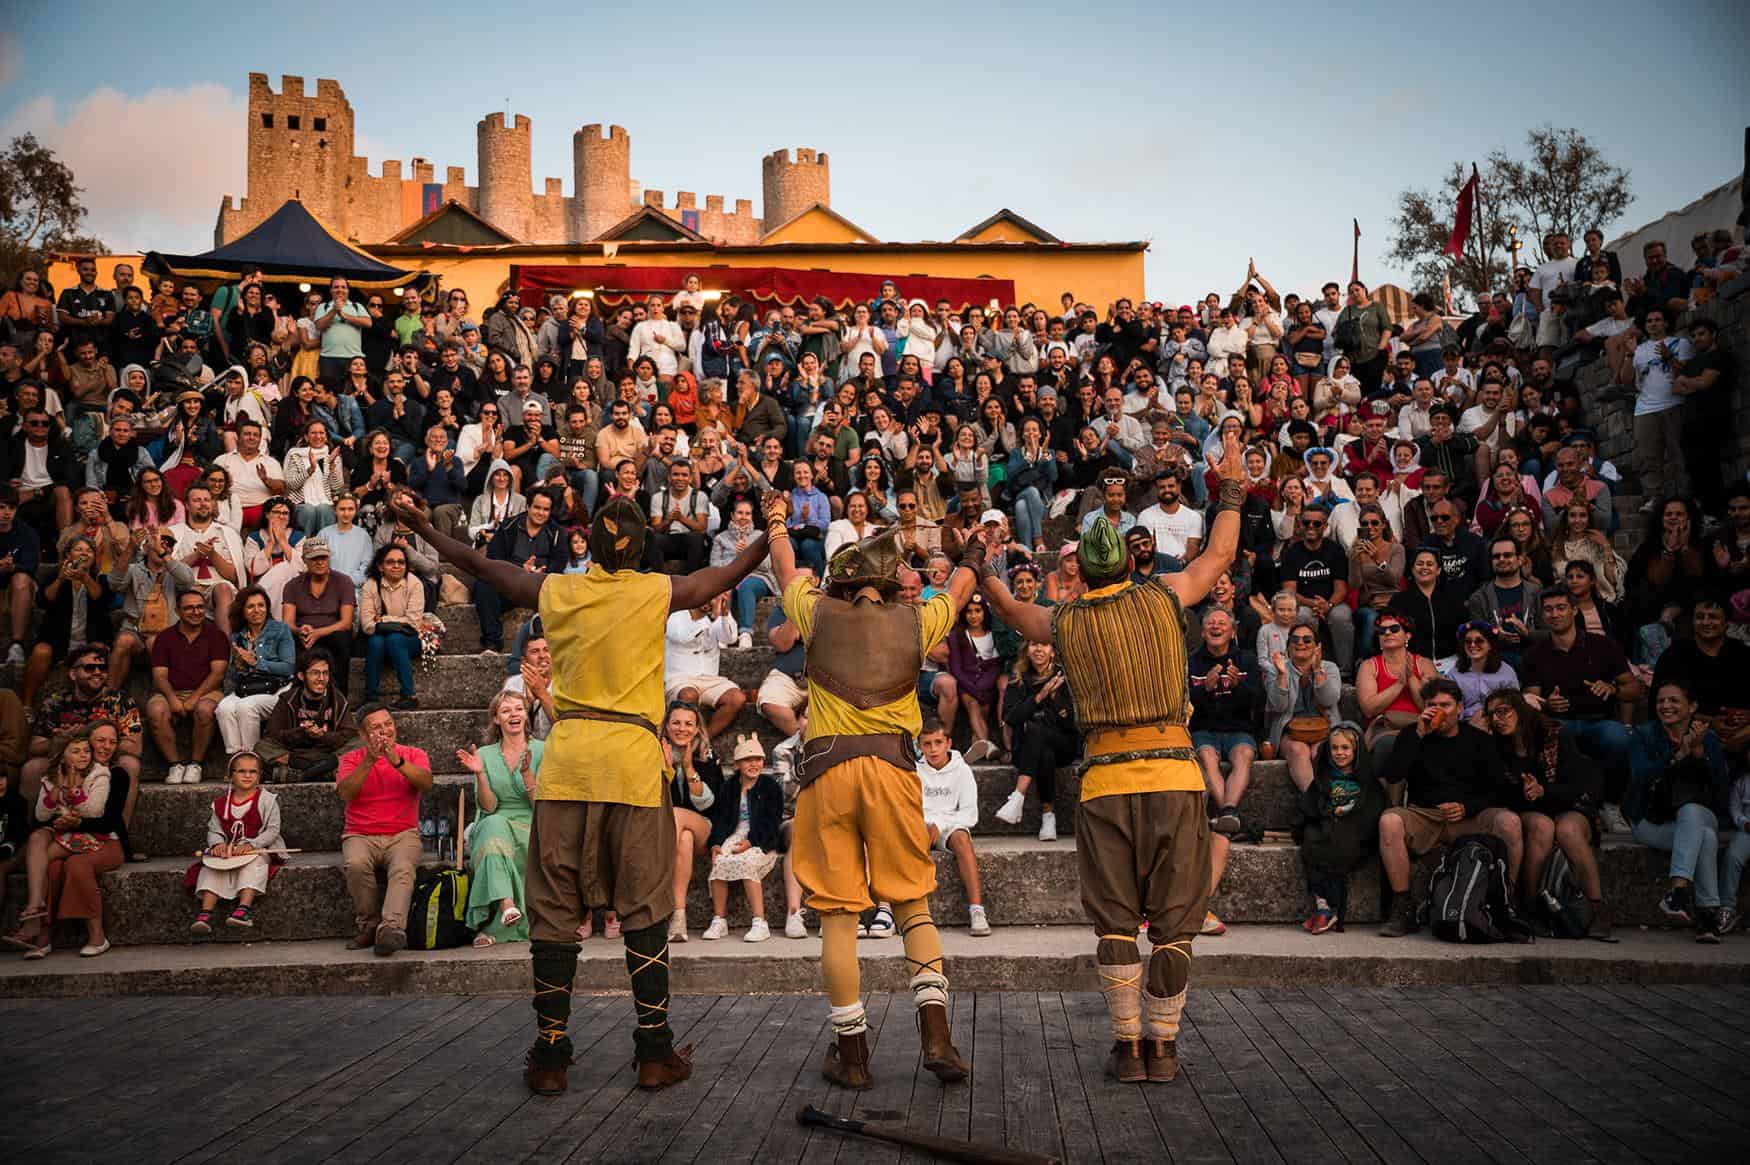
{"x": 853, "y": 527}
{"x": 151, "y": 504}
{"x": 1576, "y": 538}
{"x": 505, "y": 773}
{"x": 1032, "y": 479}
{"x": 77, "y": 817}
{"x": 975, "y": 664}
{"x": 375, "y": 475}
{"x": 1669, "y": 565}
{"x": 262, "y": 658}
{"x": 697, "y": 779}
{"x": 1524, "y": 527}
{"x": 1065, "y": 584}
{"x": 873, "y": 483}
{"x": 1376, "y": 572}
{"x": 1039, "y": 718}
{"x": 1506, "y": 493}
{"x": 968, "y": 463}
{"x": 1478, "y": 668}
{"x": 995, "y": 433}
{"x": 391, "y": 606}
{"x": 1677, "y": 778}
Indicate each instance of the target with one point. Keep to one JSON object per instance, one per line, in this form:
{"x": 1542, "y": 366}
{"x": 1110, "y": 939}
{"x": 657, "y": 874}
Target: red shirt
{"x": 386, "y": 803}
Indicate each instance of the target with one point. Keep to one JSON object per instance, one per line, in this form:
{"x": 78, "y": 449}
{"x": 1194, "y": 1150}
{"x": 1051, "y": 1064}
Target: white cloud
{"x": 153, "y": 166}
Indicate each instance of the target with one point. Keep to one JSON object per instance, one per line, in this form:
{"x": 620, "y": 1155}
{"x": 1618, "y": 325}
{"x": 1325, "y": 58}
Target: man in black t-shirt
{"x": 1706, "y": 385}
{"x": 1316, "y": 572}
{"x": 86, "y": 310}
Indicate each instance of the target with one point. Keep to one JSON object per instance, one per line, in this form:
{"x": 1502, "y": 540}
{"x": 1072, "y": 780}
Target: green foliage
{"x": 40, "y": 210}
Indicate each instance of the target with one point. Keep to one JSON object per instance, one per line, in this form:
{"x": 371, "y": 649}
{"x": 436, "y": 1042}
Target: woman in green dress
{"x": 498, "y": 841}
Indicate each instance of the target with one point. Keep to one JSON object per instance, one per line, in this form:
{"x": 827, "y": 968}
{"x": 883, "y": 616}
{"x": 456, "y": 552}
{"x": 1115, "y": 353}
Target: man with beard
{"x": 1177, "y": 528}
{"x": 603, "y": 831}
{"x": 1148, "y": 564}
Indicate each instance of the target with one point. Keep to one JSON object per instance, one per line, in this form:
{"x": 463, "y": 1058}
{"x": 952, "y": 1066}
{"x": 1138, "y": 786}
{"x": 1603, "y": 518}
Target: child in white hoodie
{"x": 950, "y": 811}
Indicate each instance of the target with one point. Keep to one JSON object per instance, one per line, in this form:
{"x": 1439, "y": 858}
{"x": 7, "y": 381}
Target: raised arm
{"x": 691, "y": 591}
{"x": 783, "y": 553}
{"x": 1197, "y": 579}
{"x": 508, "y": 578}
{"x": 1030, "y": 619}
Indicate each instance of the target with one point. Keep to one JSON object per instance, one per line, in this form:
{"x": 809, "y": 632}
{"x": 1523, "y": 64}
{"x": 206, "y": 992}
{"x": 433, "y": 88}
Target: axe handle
{"x": 949, "y": 1149}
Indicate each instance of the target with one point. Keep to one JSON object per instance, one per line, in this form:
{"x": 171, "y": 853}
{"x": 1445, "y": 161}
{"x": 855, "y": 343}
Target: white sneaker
{"x": 174, "y": 776}
{"x": 980, "y": 924}
{"x": 881, "y": 926}
{"x": 1610, "y": 816}
{"x": 15, "y": 654}
{"x": 757, "y": 932}
{"x": 981, "y": 750}
{"x": 794, "y": 927}
{"x": 744, "y": 641}
{"x": 1010, "y": 813}
{"x": 718, "y": 928}
{"x": 191, "y": 774}
{"x": 677, "y": 927}
{"x": 1048, "y": 827}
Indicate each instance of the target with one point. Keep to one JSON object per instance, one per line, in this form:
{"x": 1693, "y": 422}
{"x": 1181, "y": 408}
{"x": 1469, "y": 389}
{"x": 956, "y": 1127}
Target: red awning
{"x": 614, "y": 284}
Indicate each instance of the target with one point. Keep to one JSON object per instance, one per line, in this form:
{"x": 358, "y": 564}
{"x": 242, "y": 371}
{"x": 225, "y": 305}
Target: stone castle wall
{"x": 301, "y": 146}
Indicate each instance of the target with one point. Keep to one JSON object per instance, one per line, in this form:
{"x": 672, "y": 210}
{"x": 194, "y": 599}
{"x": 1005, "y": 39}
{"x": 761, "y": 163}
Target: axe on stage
{"x": 946, "y": 1148}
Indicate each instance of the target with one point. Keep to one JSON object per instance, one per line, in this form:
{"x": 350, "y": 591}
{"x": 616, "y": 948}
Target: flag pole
{"x": 1355, "y": 254}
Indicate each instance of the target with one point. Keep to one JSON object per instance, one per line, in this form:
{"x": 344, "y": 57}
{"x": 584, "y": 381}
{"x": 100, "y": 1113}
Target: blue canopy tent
{"x": 290, "y": 246}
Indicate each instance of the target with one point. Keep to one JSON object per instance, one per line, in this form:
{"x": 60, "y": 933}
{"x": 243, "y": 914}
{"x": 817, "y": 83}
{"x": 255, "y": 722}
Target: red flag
{"x": 1467, "y": 202}
{"x": 1355, "y": 255}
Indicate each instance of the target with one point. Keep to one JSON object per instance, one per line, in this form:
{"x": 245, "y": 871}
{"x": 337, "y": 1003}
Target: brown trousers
{"x": 584, "y": 854}
{"x": 72, "y": 889}
{"x": 1144, "y": 855}
{"x": 365, "y": 854}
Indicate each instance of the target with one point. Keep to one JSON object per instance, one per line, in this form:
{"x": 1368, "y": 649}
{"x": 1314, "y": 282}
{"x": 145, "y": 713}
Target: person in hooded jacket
{"x": 1337, "y": 823}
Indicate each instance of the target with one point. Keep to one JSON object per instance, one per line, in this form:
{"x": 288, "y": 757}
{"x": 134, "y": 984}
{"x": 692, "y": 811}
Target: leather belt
{"x": 612, "y": 718}
{"x": 823, "y": 752}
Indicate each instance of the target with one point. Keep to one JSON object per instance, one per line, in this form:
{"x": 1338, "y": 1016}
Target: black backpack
{"x": 1469, "y": 900}
{"x": 1565, "y": 909}
{"x": 1347, "y": 334}
{"x": 437, "y": 918}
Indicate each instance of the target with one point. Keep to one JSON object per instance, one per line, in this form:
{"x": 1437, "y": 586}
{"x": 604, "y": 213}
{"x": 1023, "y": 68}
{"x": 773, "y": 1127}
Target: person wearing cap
{"x": 603, "y": 831}
{"x": 318, "y": 606}
{"x": 746, "y": 819}
{"x": 859, "y": 821}
{"x": 1450, "y": 451}
{"x": 1372, "y": 450}
{"x": 1123, "y": 650}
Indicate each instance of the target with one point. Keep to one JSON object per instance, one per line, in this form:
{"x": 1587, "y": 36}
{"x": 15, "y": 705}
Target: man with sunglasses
{"x": 1507, "y": 601}
{"x": 86, "y": 697}
{"x": 1463, "y": 557}
{"x": 1316, "y": 573}
{"x": 41, "y": 466}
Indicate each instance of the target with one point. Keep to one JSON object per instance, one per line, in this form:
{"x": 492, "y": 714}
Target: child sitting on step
{"x": 745, "y": 820}
{"x": 242, "y": 831}
{"x": 950, "y": 812}
{"x": 1337, "y": 822}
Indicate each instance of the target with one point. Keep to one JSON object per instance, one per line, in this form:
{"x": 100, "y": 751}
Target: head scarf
{"x": 616, "y": 537}
{"x": 1102, "y": 551}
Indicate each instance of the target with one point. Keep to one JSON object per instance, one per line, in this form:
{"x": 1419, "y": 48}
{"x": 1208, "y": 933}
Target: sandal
{"x": 32, "y": 913}
{"x": 509, "y": 916}
{"x": 484, "y": 940}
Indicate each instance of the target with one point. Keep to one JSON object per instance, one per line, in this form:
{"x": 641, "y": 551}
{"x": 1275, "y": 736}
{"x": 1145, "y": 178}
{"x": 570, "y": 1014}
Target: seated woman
{"x": 1337, "y": 820}
{"x": 1433, "y": 608}
{"x": 686, "y": 750}
{"x": 78, "y": 812}
{"x": 262, "y": 655}
{"x": 271, "y": 553}
{"x": 974, "y": 663}
{"x": 498, "y": 839}
{"x": 1479, "y": 669}
{"x": 1040, "y": 717}
{"x": 1556, "y": 790}
{"x": 1376, "y": 573}
{"x": 1663, "y": 576}
{"x": 1389, "y": 686}
{"x": 391, "y": 605}
{"x": 1576, "y": 539}
{"x": 497, "y": 503}
{"x": 1677, "y": 775}
{"x": 1301, "y": 690}
{"x": 244, "y": 823}
{"x": 75, "y": 605}
{"x": 744, "y": 840}
{"x": 853, "y": 527}
{"x": 810, "y": 515}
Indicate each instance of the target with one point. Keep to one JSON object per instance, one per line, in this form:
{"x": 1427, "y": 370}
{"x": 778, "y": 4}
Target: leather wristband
{"x": 973, "y": 556}
{"x": 1231, "y": 495}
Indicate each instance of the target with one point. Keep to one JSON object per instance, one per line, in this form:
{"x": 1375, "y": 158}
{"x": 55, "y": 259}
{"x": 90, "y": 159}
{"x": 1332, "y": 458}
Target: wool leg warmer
{"x": 1120, "y": 968}
{"x": 923, "y": 952}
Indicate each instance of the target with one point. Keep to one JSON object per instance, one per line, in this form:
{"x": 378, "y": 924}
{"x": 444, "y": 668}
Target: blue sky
{"x": 1218, "y": 134}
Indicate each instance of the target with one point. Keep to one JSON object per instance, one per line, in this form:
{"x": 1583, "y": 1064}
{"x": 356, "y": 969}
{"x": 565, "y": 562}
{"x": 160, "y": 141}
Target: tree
{"x": 1565, "y": 184}
{"x": 40, "y": 209}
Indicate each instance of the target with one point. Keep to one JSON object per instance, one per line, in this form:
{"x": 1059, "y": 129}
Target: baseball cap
{"x": 991, "y": 516}
{"x": 314, "y": 546}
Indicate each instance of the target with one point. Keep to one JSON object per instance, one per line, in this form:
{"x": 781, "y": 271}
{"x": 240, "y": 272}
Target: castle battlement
{"x": 301, "y": 146}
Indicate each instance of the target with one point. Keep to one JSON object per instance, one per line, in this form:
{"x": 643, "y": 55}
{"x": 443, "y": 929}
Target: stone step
{"x": 1012, "y": 958}
{"x": 1025, "y": 882}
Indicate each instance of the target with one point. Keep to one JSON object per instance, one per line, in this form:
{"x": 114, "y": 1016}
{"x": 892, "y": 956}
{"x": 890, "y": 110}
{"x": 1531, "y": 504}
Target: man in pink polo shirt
{"x": 381, "y": 783}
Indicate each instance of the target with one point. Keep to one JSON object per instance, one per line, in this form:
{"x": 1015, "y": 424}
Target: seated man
{"x": 19, "y": 553}
{"x": 692, "y": 669}
{"x": 1453, "y": 773}
{"x": 381, "y": 783}
{"x": 148, "y": 586}
{"x": 680, "y": 520}
{"x": 532, "y": 541}
{"x": 318, "y": 606}
{"x": 437, "y": 476}
{"x": 534, "y": 679}
{"x": 783, "y": 697}
{"x": 951, "y": 812}
{"x": 188, "y": 670}
{"x": 85, "y": 698}
{"x": 1716, "y": 667}
{"x": 1582, "y": 679}
{"x": 1316, "y": 572}
{"x": 1227, "y": 694}
{"x": 309, "y": 726}
{"x": 212, "y": 550}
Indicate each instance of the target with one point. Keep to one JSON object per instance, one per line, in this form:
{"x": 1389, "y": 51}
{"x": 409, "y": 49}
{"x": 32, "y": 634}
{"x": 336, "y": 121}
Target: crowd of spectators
{"x": 194, "y": 488}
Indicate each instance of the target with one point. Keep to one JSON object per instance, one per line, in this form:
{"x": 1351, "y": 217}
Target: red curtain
{"x": 614, "y": 284}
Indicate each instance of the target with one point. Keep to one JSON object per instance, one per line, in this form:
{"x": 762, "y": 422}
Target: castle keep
{"x": 301, "y": 146}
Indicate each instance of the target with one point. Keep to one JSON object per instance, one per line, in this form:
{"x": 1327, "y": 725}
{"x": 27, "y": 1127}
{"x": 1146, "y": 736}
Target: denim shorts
{"x": 927, "y": 686}
{"x": 1223, "y": 742}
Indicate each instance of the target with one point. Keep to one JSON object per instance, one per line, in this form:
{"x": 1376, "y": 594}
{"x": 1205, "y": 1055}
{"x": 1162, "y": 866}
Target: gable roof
{"x": 432, "y": 228}
{"x": 290, "y": 245}
{"x": 818, "y": 209}
{"x": 1005, "y": 215}
{"x": 649, "y": 224}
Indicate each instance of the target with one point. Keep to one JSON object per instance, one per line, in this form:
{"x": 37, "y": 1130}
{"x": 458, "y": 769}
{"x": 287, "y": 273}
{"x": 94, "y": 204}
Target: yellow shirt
{"x": 605, "y": 631}
{"x": 830, "y": 716}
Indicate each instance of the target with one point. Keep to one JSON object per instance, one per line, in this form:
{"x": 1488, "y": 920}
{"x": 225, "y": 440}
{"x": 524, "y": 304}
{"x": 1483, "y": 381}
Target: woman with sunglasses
{"x": 1301, "y": 690}
{"x": 1376, "y": 572}
{"x": 1479, "y": 670}
{"x": 1388, "y": 686}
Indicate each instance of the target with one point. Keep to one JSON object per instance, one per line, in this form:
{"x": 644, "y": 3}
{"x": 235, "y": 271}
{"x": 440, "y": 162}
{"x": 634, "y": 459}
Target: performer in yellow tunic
{"x": 1142, "y": 830}
{"x": 860, "y": 815}
{"x": 603, "y": 831}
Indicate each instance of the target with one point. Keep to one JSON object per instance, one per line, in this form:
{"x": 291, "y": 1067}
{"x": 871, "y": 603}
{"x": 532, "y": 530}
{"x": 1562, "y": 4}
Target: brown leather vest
{"x": 864, "y": 652}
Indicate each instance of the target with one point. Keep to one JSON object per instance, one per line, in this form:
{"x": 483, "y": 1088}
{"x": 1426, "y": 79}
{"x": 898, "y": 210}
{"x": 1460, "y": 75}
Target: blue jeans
{"x": 1693, "y": 841}
{"x": 400, "y": 648}
{"x": 749, "y": 591}
{"x": 811, "y": 552}
{"x": 404, "y": 450}
{"x": 1029, "y": 517}
{"x": 490, "y": 605}
{"x": 1732, "y": 872}
{"x": 311, "y": 519}
{"x": 1605, "y": 741}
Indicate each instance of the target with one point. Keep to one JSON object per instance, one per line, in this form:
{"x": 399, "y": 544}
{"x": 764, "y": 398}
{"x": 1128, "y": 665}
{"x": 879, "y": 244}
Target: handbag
{"x": 254, "y": 683}
{"x": 1308, "y": 359}
{"x": 154, "y": 612}
{"x": 78, "y": 841}
{"x": 1308, "y": 730}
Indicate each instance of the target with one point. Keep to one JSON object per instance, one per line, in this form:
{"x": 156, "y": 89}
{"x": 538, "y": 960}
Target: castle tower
{"x": 601, "y": 177}
{"x": 506, "y": 200}
{"x": 789, "y": 188}
{"x": 300, "y": 146}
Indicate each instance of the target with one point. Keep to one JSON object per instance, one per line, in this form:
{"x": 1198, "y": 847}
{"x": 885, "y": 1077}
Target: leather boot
{"x": 544, "y": 1079}
{"x": 366, "y": 937}
{"x": 1126, "y": 1062}
{"x": 671, "y": 1069}
{"x": 940, "y": 1056}
{"x": 1162, "y": 1058}
{"x": 847, "y": 1062}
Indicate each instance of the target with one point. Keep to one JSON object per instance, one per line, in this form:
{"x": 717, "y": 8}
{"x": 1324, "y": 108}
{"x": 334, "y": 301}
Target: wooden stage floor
{"x": 1529, "y": 1074}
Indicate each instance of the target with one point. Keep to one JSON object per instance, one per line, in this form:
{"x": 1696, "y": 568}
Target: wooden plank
{"x": 789, "y": 1141}
{"x": 1218, "y": 1092}
{"x": 896, "y": 1062}
{"x": 1375, "y": 1133}
{"x": 1275, "y": 1064}
{"x": 985, "y": 1102}
{"x": 1697, "y": 1023}
{"x": 1124, "y": 1123}
{"x": 28, "y": 1020}
{"x": 1385, "y": 1086}
{"x": 1722, "y": 1007}
{"x": 732, "y": 1110}
{"x": 1069, "y": 1098}
{"x": 1507, "y": 1025}
{"x": 789, "y": 1078}
{"x": 1698, "y": 1057}
{"x": 1029, "y": 1116}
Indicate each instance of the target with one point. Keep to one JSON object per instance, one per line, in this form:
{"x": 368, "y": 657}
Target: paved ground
{"x": 1318, "y": 1075}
